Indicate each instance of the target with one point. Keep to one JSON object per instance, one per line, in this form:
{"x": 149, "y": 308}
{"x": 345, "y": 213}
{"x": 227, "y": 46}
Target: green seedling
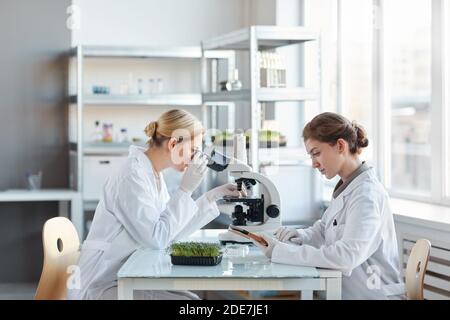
{"x": 194, "y": 249}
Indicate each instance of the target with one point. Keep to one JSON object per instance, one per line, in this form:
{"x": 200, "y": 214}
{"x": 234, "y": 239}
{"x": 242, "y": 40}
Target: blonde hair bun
{"x": 150, "y": 129}
{"x": 169, "y": 123}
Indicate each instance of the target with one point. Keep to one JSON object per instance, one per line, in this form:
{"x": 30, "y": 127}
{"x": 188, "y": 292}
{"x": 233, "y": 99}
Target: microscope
{"x": 258, "y": 212}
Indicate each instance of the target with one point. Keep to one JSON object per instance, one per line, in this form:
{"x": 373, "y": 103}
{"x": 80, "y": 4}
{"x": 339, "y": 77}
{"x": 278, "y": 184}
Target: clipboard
{"x": 249, "y": 235}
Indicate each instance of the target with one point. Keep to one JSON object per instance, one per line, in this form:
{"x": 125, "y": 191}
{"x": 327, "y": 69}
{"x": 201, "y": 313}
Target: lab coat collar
{"x": 138, "y": 153}
{"x": 337, "y": 203}
{"x": 368, "y": 174}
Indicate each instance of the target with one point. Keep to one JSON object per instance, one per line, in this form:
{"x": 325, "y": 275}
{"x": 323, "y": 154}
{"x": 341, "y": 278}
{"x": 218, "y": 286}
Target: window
{"x": 356, "y": 60}
{"x": 322, "y": 15}
{"x": 446, "y": 134}
{"x": 389, "y": 76}
{"x": 408, "y": 69}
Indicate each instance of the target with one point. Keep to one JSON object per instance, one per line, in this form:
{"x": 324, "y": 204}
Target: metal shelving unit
{"x": 79, "y": 148}
{"x": 254, "y": 39}
{"x": 179, "y": 99}
{"x": 263, "y": 95}
{"x": 266, "y": 38}
{"x": 193, "y": 52}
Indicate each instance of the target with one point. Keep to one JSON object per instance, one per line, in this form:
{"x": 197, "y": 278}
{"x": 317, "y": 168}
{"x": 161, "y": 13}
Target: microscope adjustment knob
{"x": 273, "y": 211}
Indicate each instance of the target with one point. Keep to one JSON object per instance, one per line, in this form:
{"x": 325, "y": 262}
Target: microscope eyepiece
{"x": 216, "y": 160}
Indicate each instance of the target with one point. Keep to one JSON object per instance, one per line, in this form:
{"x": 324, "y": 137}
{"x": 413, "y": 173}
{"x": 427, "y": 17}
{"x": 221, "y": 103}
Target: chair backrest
{"x": 415, "y": 269}
{"x": 61, "y": 250}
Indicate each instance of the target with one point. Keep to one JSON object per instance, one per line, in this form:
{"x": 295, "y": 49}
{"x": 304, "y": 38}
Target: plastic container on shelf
{"x": 97, "y": 136}
{"x": 159, "y": 85}
{"x": 140, "y": 86}
{"x": 107, "y": 132}
{"x": 123, "y": 138}
{"x": 235, "y": 84}
{"x": 151, "y": 86}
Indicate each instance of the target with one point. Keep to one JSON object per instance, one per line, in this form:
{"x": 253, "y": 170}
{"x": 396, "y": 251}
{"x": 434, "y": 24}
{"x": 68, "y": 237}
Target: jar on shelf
{"x": 123, "y": 136}
{"x": 107, "y": 132}
{"x": 140, "y": 86}
{"x": 159, "y": 85}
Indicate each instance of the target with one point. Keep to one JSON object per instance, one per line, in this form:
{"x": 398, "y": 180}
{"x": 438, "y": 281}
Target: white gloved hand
{"x": 194, "y": 174}
{"x": 298, "y": 241}
{"x": 267, "y": 250}
{"x": 285, "y": 234}
{"x": 228, "y": 189}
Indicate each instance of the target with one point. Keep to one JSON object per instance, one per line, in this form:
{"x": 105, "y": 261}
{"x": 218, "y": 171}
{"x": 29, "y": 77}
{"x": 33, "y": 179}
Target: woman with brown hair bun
{"x": 356, "y": 233}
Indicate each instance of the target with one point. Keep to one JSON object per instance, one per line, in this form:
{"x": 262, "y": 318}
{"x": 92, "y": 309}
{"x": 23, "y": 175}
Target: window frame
{"x": 439, "y": 105}
{"x": 381, "y": 104}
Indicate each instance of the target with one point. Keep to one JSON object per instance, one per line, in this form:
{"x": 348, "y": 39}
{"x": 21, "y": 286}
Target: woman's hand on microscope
{"x": 228, "y": 189}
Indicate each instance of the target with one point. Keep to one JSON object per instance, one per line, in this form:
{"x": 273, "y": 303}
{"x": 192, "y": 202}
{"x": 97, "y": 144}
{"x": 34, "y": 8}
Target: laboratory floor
{"x": 17, "y": 291}
{"x": 25, "y": 291}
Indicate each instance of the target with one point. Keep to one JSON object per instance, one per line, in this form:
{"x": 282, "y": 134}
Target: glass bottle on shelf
{"x": 271, "y": 70}
{"x": 236, "y": 84}
{"x": 107, "y": 132}
{"x": 123, "y": 136}
{"x": 151, "y": 86}
{"x": 97, "y": 136}
{"x": 131, "y": 87}
{"x": 159, "y": 85}
{"x": 262, "y": 69}
{"x": 140, "y": 86}
{"x": 282, "y": 72}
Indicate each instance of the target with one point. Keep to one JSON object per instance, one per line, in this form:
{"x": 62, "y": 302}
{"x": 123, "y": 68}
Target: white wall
{"x": 156, "y": 22}
{"x": 149, "y": 23}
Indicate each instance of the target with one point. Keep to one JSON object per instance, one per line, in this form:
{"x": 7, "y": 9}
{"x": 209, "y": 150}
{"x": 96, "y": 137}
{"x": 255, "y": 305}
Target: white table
{"x": 149, "y": 269}
{"x": 62, "y": 196}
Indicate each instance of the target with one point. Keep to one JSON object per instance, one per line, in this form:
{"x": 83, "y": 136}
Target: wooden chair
{"x": 415, "y": 269}
{"x": 61, "y": 250}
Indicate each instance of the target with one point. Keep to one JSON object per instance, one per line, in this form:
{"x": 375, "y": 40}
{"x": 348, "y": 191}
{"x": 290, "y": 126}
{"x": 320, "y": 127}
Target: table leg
{"x": 334, "y": 289}
{"x": 125, "y": 289}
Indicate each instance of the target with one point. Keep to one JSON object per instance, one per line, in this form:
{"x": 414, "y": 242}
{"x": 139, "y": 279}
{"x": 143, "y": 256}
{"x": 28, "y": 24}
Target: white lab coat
{"x": 361, "y": 243}
{"x": 133, "y": 214}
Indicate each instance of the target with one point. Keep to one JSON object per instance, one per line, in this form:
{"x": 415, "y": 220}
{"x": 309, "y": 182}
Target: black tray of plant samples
{"x": 195, "y": 261}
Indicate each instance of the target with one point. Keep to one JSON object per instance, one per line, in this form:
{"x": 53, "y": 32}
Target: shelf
{"x": 263, "y": 95}
{"x": 38, "y": 195}
{"x": 104, "y": 148}
{"x": 193, "y": 52}
{"x": 268, "y": 37}
{"x": 180, "y": 99}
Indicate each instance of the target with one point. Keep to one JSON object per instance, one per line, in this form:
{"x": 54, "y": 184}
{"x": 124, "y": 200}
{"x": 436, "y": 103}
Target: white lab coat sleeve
{"x": 313, "y": 236}
{"x": 360, "y": 239}
{"x": 136, "y": 208}
{"x": 207, "y": 211}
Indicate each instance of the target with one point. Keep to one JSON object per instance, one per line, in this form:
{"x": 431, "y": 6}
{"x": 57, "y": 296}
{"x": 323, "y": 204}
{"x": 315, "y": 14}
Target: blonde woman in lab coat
{"x": 356, "y": 233}
{"x": 135, "y": 209}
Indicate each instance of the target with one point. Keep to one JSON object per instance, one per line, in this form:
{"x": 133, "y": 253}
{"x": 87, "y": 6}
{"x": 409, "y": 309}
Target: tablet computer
{"x": 249, "y": 235}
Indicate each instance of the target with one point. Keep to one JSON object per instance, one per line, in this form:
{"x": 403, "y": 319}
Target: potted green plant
{"x": 195, "y": 253}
